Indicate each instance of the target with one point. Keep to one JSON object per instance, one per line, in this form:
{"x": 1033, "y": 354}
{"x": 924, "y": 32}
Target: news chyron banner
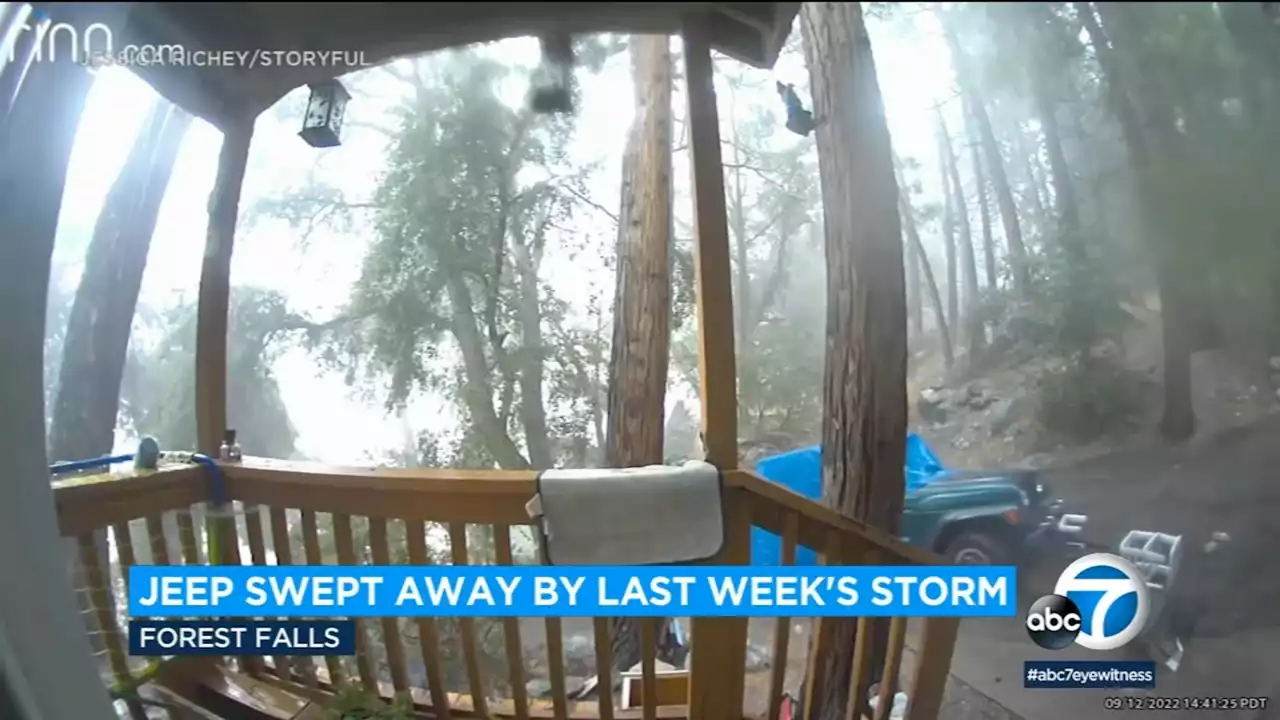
{"x": 336, "y": 595}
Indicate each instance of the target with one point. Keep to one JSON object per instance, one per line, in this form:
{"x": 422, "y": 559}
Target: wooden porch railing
{"x": 294, "y": 513}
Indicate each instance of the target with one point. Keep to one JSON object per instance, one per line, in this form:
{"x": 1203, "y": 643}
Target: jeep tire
{"x": 975, "y": 548}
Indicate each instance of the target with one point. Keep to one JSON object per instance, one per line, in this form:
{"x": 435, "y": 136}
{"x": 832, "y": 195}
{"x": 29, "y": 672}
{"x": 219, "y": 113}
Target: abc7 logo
{"x": 1100, "y": 602}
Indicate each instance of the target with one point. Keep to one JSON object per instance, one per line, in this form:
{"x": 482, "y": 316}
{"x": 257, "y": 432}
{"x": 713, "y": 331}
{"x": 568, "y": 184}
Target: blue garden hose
{"x": 218, "y": 501}
{"x": 60, "y": 468}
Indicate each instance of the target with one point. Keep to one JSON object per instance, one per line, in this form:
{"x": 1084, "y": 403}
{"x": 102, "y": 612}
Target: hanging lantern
{"x": 322, "y": 125}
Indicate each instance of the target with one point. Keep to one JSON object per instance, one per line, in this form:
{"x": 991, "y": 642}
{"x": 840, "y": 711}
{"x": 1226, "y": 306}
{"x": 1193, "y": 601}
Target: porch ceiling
{"x": 750, "y": 32}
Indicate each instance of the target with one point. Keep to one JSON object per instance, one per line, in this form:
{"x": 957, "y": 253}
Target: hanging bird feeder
{"x": 322, "y": 124}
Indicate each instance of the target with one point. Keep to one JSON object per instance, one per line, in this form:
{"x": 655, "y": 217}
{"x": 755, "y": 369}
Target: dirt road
{"x": 1225, "y": 482}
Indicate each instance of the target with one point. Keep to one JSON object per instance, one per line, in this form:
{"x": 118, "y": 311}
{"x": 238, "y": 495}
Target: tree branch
{"x": 597, "y": 206}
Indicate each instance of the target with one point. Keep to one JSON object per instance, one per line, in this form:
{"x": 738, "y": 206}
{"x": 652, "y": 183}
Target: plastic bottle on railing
{"x": 897, "y": 711}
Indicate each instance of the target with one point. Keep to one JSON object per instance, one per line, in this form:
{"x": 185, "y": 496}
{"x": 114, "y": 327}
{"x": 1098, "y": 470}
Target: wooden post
{"x": 718, "y": 660}
{"x": 718, "y": 656}
{"x": 215, "y": 284}
{"x": 46, "y": 656}
{"x": 717, "y": 371}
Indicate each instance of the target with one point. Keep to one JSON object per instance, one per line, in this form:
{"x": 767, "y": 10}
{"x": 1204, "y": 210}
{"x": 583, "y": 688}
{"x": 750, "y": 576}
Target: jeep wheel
{"x": 976, "y": 549}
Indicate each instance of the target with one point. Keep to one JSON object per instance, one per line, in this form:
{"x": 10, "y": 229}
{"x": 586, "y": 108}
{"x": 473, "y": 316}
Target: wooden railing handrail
{"x": 477, "y": 496}
{"x": 788, "y": 499}
{"x": 457, "y": 495}
{"x": 95, "y": 502}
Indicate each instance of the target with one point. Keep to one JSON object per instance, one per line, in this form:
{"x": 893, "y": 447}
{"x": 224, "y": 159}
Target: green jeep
{"x": 1000, "y": 517}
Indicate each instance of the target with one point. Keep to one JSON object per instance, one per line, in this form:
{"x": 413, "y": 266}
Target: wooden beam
{"x": 718, "y": 658}
{"x": 215, "y": 285}
{"x": 717, "y": 370}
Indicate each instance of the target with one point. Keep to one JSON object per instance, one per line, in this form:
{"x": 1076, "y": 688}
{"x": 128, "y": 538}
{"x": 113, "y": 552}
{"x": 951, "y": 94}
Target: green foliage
{"x": 773, "y": 205}
{"x": 158, "y": 389}
{"x": 354, "y": 703}
{"x": 452, "y": 297}
{"x": 1089, "y": 398}
{"x": 1216, "y": 216}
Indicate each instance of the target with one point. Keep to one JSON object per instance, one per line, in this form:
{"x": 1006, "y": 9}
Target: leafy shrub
{"x": 1087, "y": 398}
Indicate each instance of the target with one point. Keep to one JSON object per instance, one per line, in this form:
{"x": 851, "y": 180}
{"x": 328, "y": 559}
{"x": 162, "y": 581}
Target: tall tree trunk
{"x": 975, "y": 336}
{"x": 864, "y": 421}
{"x": 949, "y": 212}
{"x": 1143, "y": 130}
{"x": 995, "y": 162}
{"x": 638, "y": 364}
{"x": 984, "y": 210}
{"x": 87, "y": 400}
{"x": 736, "y": 207}
{"x": 642, "y": 314}
{"x": 88, "y": 395}
{"x": 1031, "y": 168}
{"x": 478, "y": 389}
{"x": 527, "y": 256}
{"x": 917, "y": 250}
{"x": 915, "y": 304}
{"x": 1063, "y": 189}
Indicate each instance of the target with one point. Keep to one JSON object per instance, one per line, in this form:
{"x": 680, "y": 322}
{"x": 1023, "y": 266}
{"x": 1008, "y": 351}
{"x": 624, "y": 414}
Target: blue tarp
{"x": 801, "y": 471}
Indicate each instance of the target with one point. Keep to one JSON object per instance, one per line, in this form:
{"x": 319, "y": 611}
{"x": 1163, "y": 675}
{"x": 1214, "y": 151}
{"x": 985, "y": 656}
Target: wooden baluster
{"x": 124, "y": 551}
{"x": 859, "y": 668}
{"x": 933, "y": 664}
{"x": 555, "y": 663}
{"x": 97, "y": 584}
{"x": 782, "y": 631}
{"x": 346, "y": 556}
{"x": 892, "y": 665}
{"x": 187, "y": 537}
{"x": 311, "y": 546}
{"x": 861, "y": 663}
{"x": 390, "y": 625}
{"x": 428, "y": 635}
{"x": 304, "y": 666}
{"x": 467, "y": 626}
{"x": 229, "y": 535}
{"x": 820, "y": 646}
{"x": 253, "y": 521}
{"x": 604, "y": 667}
{"x": 284, "y": 556}
{"x": 648, "y": 670}
{"x": 511, "y": 629}
{"x": 159, "y": 546}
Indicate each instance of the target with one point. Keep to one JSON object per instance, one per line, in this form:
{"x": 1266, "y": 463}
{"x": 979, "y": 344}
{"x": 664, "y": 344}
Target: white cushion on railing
{"x": 652, "y": 515}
